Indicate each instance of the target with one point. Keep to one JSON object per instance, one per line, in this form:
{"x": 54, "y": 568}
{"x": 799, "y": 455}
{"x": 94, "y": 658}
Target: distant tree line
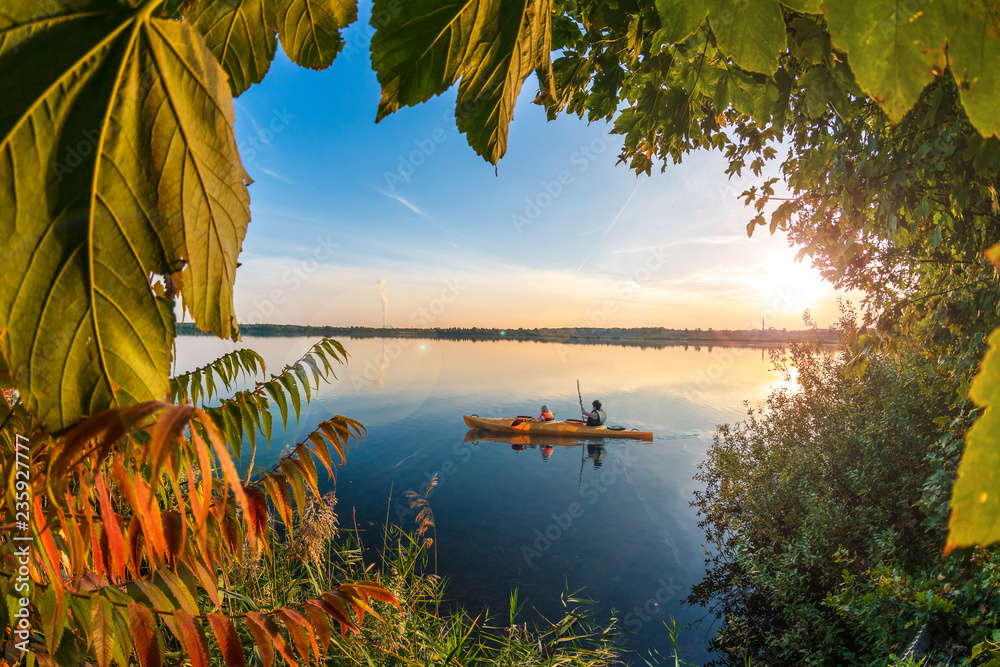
{"x": 636, "y": 336}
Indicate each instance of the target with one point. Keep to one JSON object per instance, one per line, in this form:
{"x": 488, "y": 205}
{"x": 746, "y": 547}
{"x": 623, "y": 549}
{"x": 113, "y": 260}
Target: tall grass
{"x": 425, "y": 632}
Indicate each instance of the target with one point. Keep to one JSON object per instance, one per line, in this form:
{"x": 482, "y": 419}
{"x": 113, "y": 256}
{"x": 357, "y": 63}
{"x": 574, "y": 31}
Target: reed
{"x": 316, "y": 552}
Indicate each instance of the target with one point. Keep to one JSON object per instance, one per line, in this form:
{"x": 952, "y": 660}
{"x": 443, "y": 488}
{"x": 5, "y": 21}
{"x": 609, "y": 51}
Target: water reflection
{"x": 501, "y": 504}
{"x": 595, "y": 452}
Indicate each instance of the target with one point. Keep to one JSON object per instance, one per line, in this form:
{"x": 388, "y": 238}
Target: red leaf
{"x": 229, "y": 641}
{"x": 145, "y": 636}
{"x": 190, "y": 635}
{"x": 173, "y": 533}
{"x": 324, "y": 631}
{"x": 149, "y": 513}
{"x": 301, "y": 631}
{"x": 225, "y": 458}
{"x": 256, "y": 512}
{"x": 135, "y": 542}
{"x": 335, "y": 606}
{"x": 168, "y": 431}
{"x": 272, "y": 631}
{"x": 255, "y": 622}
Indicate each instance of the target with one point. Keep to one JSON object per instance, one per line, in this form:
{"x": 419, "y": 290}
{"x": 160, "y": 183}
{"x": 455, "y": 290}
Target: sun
{"x": 797, "y": 285}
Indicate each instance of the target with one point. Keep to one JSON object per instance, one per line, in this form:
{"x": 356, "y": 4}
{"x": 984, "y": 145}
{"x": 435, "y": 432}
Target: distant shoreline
{"x": 635, "y": 337}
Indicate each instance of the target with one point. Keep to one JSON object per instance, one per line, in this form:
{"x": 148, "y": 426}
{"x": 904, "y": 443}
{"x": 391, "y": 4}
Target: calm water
{"x": 612, "y": 520}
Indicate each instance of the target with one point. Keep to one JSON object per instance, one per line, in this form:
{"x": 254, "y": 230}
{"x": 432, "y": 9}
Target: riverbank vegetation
{"x": 828, "y": 512}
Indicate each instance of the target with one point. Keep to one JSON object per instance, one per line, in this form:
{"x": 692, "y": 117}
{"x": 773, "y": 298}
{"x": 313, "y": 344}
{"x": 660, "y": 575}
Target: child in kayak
{"x": 546, "y": 415}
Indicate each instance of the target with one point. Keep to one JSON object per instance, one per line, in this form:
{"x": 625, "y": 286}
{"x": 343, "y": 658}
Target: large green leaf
{"x": 117, "y": 163}
{"x": 425, "y": 46}
{"x": 240, "y": 37}
{"x": 751, "y": 32}
{"x": 975, "y": 499}
{"x": 309, "y": 30}
{"x": 973, "y": 53}
{"x": 679, "y": 19}
{"x": 895, "y": 49}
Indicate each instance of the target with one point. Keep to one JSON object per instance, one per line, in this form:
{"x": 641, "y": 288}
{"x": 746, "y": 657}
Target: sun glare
{"x": 796, "y": 284}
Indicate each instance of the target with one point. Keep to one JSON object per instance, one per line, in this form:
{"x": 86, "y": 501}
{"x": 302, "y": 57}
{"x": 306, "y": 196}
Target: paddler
{"x": 595, "y": 418}
{"x": 546, "y": 415}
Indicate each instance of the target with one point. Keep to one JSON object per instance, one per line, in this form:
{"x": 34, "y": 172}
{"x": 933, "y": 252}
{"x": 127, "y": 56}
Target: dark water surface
{"x": 610, "y": 517}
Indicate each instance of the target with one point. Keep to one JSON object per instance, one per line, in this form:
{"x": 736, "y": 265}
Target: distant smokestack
{"x": 382, "y": 289}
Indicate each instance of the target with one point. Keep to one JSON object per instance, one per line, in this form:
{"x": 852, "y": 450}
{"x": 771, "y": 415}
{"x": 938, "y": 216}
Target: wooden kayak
{"x": 563, "y": 428}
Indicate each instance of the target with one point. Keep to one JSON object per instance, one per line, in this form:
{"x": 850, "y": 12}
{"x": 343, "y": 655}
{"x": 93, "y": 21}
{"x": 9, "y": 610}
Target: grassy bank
{"x": 319, "y": 556}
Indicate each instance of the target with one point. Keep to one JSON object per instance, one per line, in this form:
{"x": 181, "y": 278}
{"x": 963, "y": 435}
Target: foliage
{"x": 825, "y": 550}
{"x": 137, "y": 520}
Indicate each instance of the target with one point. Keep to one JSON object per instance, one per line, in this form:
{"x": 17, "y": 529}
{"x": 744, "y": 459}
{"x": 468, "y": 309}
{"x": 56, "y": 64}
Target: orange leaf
{"x": 322, "y": 451}
{"x": 135, "y": 543}
{"x": 72, "y": 535}
{"x": 149, "y": 513}
{"x": 222, "y": 453}
{"x": 308, "y": 467}
{"x": 301, "y": 631}
{"x": 51, "y": 560}
{"x": 99, "y": 549}
{"x": 358, "y": 602}
{"x": 370, "y": 589}
{"x": 255, "y": 512}
{"x": 294, "y": 476}
{"x": 166, "y": 436}
{"x": 324, "y": 631}
{"x": 274, "y": 633}
{"x": 191, "y": 637}
{"x": 204, "y": 494}
{"x": 145, "y": 636}
{"x": 255, "y": 622}
{"x": 278, "y": 490}
{"x": 229, "y": 641}
{"x": 337, "y": 437}
{"x": 173, "y": 533}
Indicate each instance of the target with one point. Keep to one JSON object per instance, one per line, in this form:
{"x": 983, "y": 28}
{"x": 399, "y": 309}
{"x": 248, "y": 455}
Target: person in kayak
{"x": 595, "y": 418}
{"x": 546, "y": 415}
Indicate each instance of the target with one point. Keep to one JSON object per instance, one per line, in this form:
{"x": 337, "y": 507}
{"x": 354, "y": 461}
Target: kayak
{"x": 566, "y": 428}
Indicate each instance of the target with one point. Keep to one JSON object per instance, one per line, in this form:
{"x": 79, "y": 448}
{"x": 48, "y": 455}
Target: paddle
{"x": 581, "y": 444}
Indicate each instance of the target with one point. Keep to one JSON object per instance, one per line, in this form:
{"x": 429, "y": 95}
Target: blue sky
{"x": 558, "y": 235}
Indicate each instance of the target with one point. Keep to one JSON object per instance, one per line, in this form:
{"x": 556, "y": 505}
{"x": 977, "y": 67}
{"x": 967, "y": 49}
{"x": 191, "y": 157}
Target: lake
{"x": 609, "y": 518}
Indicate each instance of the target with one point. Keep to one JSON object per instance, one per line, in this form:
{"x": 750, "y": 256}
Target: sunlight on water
{"x": 611, "y": 517}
